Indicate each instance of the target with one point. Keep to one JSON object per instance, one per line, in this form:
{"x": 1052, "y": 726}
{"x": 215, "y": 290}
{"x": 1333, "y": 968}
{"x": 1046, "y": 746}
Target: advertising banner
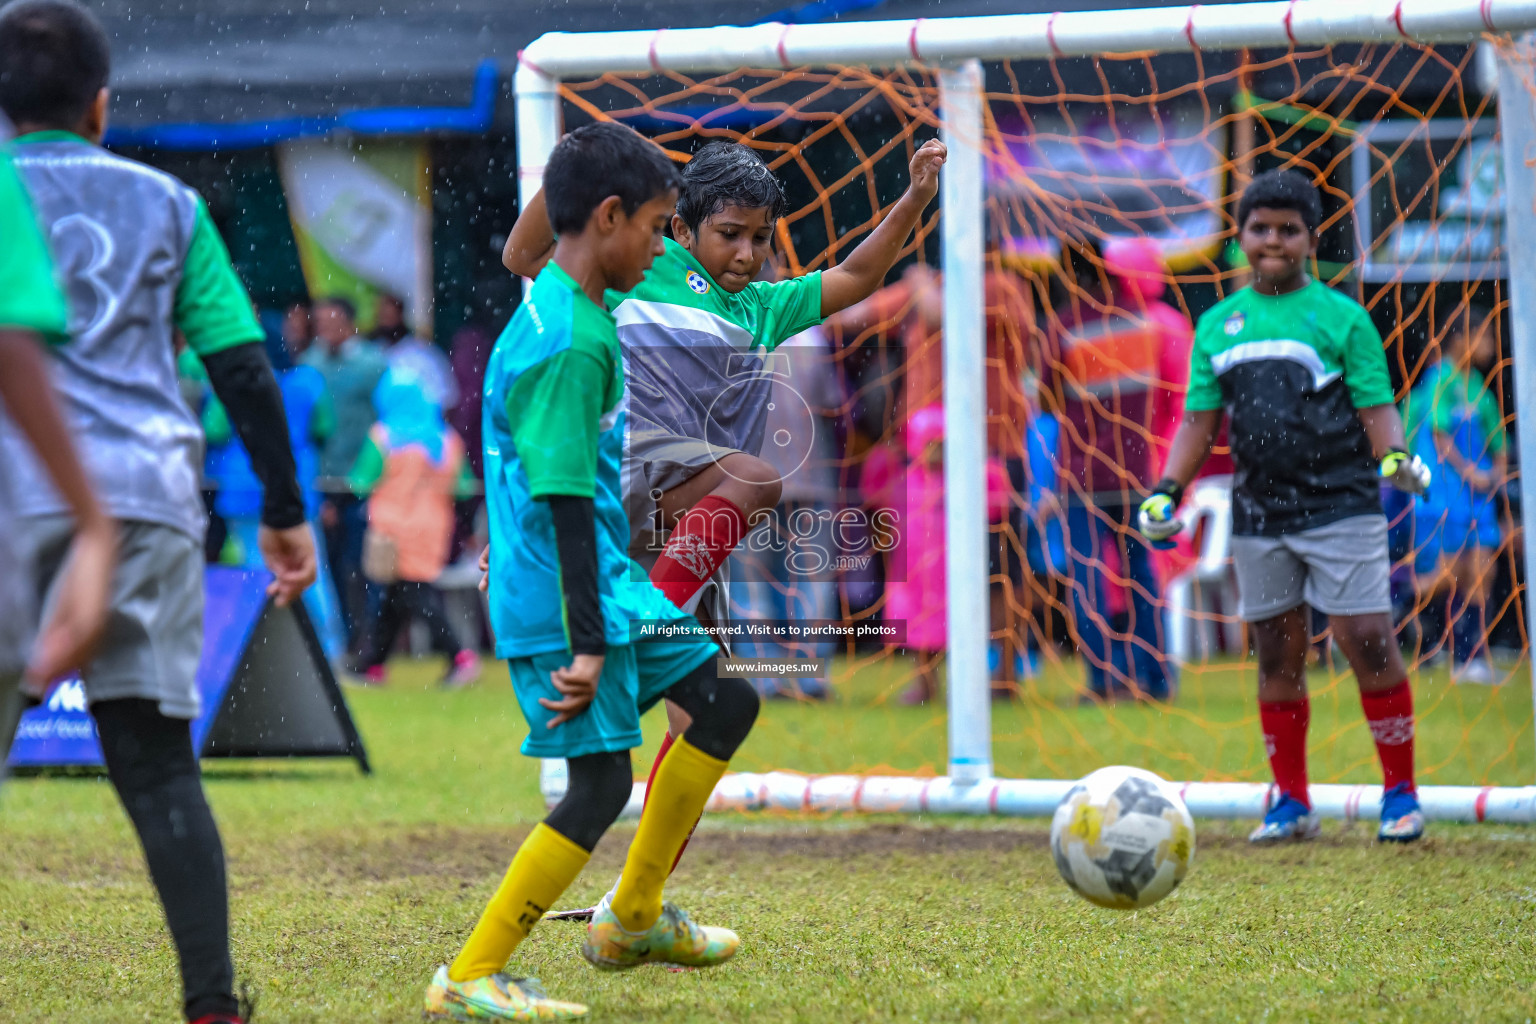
{"x": 267, "y": 689}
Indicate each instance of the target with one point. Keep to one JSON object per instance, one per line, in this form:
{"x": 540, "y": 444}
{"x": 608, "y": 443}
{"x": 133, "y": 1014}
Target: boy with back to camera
{"x": 33, "y": 314}
{"x": 566, "y": 598}
{"x": 1299, "y": 372}
{"x": 141, "y": 260}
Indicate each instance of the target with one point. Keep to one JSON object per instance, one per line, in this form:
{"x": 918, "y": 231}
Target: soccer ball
{"x": 1122, "y": 838}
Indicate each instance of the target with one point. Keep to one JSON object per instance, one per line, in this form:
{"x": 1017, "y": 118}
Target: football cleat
{"x": 465, "y": 671}
{"x": 494, "y": 997}
{"x": 582, "y": 916}
{"x": 674, "y": 939}
{"x": 1478, "y": 671}
{"x": 1401, "y": 819}
{"x": 1288, "y": 819}
{"x": 371, "y": 676}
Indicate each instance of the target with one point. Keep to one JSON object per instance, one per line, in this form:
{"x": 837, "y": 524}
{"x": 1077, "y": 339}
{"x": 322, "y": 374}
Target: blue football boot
{"x": 1288, "y": 819}
{"x": 1401, "y": 819}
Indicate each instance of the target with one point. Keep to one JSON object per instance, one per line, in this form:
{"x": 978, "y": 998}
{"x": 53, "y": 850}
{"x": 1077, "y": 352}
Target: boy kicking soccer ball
{"x": 1299, "y": 371}
{"x": 694, "y": 332}
{"x": 564, "y": 596}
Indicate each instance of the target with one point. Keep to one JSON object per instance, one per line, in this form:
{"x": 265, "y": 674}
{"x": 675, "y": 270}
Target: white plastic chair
{"x": 1209, "y": 519}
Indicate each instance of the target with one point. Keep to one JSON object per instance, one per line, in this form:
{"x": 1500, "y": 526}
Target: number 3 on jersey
{"x": 82, "y": 249}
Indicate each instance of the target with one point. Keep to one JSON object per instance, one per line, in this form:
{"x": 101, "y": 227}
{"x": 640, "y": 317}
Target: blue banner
{"x": 62, "y": 733}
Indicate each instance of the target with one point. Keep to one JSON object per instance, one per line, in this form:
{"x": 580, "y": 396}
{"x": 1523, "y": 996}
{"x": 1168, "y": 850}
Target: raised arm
{"x": 532, "y": 241}
{"x": 857, "y": 277}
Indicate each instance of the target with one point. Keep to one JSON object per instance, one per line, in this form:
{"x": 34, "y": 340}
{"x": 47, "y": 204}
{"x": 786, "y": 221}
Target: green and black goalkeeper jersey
{"x": 1291, "y": 371}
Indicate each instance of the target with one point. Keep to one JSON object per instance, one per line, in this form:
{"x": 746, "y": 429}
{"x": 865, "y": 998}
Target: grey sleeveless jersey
{"x": 119, "y": 233}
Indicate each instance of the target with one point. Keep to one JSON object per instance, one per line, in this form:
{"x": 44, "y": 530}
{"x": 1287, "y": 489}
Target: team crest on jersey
{"x": 1233, "y": 325}
{"x": 697, "y": 282}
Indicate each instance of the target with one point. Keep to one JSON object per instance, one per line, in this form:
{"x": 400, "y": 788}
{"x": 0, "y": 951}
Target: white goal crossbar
{"x": 955, "y": 47}
{"x": 945, "y": 41}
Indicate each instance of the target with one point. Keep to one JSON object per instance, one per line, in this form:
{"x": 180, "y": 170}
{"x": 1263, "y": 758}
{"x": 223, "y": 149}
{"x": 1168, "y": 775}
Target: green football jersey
{"x": 694, "y": 351}
{"x": 1292, "y": 372}
{"x": 554, "y": 425}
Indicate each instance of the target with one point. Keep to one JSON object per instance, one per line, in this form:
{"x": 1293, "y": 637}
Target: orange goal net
{"x": 1110, "y": 194}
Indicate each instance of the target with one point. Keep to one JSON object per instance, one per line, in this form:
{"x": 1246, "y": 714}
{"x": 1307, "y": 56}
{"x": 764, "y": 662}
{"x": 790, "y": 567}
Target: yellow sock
{"x": 684, "y": 781}
{"x": 545, "y": 866}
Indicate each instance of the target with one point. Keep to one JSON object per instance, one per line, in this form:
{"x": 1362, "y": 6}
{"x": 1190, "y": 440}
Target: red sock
{"x": 1390, "y": 715}
{"x": 1285, "y": 740}
{"x": 666, "y": 745}
{"x": 704, "y": 538}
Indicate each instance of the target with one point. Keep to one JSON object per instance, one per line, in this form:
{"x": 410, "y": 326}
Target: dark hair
{"x": 599, "y": 160}
{"x": 1282, "y": 190}
{"x": 728, "y": 174}
{"x": 54, "y": 59}
{"x": 1459, "y": 319}
{"x": 345, "y": 305}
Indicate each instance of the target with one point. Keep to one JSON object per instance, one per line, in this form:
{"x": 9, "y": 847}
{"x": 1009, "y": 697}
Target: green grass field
{"x": 348, "y": 891}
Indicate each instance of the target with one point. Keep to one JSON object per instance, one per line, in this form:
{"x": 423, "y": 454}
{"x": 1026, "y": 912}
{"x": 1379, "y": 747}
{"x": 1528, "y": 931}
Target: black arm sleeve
{"x": 576, "y": 540}
{"x": 242, "y": 378}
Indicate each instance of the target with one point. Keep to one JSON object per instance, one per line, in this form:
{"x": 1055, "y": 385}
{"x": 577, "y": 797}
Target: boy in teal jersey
{"x": 569, "y": 612}
{"x": 1299, "y": 372}
{"x": 694, "y": 333}
{"x": 32, "y": 311}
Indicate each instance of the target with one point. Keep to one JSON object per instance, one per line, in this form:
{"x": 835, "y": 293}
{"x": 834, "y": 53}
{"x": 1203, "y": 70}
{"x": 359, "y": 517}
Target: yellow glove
{"x": 1158, "y": 518}
{"x": 1405, "y": 472}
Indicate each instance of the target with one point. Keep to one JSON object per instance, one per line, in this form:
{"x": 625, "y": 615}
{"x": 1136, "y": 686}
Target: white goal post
{"x": 956, "y": 46}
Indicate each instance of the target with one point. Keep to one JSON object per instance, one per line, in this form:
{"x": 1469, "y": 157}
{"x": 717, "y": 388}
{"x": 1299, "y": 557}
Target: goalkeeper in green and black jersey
{"x": 1299, "y": 372}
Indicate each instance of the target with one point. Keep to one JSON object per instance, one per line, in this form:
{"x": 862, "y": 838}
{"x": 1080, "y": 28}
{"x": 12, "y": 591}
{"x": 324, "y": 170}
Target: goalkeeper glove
{"x": 1158, "y": 520}
{"x": 1405, "y": 472}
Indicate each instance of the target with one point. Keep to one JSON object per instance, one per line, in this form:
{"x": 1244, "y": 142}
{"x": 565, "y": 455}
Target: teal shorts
{"x": 635, "y": 676}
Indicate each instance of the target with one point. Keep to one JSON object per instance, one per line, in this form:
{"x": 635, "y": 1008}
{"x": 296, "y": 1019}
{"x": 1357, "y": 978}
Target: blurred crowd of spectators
{"x": 385, "y": 430}
{"x": 1086, "y": 369}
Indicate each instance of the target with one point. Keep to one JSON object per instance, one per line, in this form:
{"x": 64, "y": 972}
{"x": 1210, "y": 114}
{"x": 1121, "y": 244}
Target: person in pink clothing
{"x": 411, "y": 468}
{"x": 1140, "y": 279}
{"x": 916, "y": 596}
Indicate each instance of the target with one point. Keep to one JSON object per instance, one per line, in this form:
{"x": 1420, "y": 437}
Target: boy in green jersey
{"x": 694, "y": 333}
{"x": 1299, "y": 372}
{"x": 569, "y": 612}
{"x": 142, "y": 262}
{"x": 32, "y": 311}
